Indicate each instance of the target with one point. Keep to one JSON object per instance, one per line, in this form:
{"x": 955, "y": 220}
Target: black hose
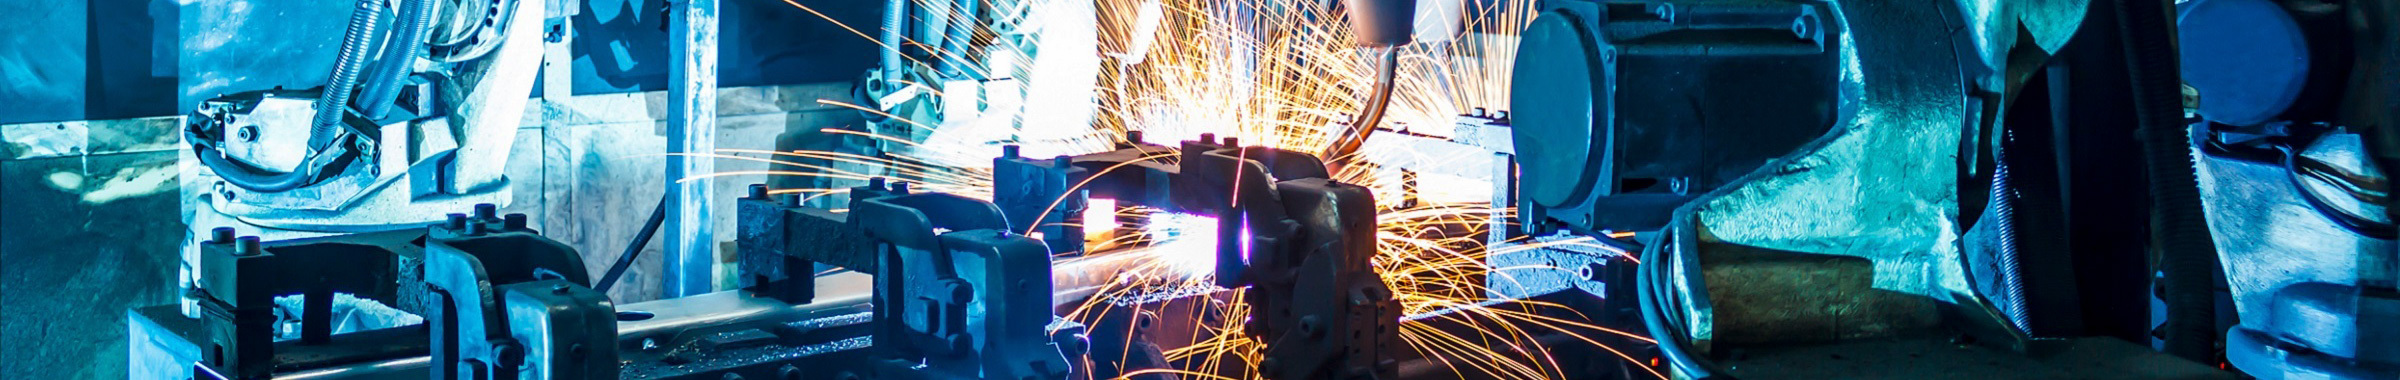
{"x": 400, "y": 53}
{"x": 2360, "y": 225}
{"x": 961, "y": 30}
{"x": 640, "y": 239}
{"x": 254, "y": 179}
{"x": 895, "y": 19}
{"x": 2187, "y": 254}
{"x": 1651, "y": 296}
{"x": 347, "y": 66}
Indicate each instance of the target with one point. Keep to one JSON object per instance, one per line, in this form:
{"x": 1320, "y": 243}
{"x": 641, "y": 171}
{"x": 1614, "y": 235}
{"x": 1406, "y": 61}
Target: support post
{"x": 691, "y": 129}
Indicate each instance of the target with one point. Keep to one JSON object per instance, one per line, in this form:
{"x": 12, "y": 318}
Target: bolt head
{"x": 960, "y": 291}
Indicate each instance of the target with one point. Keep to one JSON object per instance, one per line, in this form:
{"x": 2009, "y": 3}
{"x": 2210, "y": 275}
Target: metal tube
{"x": 962, "y": 28}
{"x": 895, "y": 19}
{"x": 1379, "y": 99}
{"x": 691, "y": 130}
{"x": 400, "y": 53}
{"x": 348, "y": 65}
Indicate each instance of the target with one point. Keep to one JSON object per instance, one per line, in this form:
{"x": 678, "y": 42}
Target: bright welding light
{"x": 1100, "y": 215}
{"x": 1189, "y": 243}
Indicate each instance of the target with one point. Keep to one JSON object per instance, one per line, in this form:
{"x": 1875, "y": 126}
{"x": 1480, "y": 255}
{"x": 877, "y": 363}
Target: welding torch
{"x": 1382, "y": 26}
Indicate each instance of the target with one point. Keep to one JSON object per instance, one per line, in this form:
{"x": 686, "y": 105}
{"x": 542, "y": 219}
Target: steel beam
{"x": 691, "y": 129}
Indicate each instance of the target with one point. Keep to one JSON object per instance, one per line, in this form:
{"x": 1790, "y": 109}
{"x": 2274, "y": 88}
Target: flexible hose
{"x": 2187, "y": 254}
{"x": 895, "y": 17}
{"x": 961, "y": 29}
{"x": 1650, "y": 291}
{"x": 640, "y": 239}
{"x": 400, "y": 54}
{"x": 248, "y": 178}
{"x": 260, "y": 180}
{"x": 2360, "y": 225}
{"x": 347, "y": 67}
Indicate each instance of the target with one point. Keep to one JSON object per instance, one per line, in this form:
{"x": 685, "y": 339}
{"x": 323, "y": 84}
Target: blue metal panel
{"x": 620, "y": 44}
{"x": 60, "y": 67}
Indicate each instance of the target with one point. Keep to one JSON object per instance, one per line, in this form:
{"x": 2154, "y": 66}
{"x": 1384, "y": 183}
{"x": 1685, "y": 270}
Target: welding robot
{"x": 354, "y": 231}
{"x": 1772, "y": 189}
{"x": 1977, "y": 189}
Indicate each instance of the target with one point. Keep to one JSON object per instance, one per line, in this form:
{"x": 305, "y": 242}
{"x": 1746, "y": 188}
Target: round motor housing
{"x": 1627, "y": 110}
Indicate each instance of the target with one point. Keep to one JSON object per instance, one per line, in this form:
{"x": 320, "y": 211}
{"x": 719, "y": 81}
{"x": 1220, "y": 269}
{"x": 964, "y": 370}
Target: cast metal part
{"x": 240, "y": 277}
{"x": 1320, "y": 306}
{"x": 2298, "y": 279}
{"x": 960, "y": 294}
{"x": 504, "y": 298}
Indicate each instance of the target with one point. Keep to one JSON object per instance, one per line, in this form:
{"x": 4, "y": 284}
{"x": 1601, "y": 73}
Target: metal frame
{"x": 691, "y": 132}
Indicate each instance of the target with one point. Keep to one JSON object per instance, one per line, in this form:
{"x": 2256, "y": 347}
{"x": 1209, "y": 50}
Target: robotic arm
{"x": 425, "y": 118}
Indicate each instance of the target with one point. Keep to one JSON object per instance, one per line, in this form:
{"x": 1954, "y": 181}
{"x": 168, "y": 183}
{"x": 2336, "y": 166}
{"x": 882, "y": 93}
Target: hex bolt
{"x": 248, "y": 133}
{"x": 220, "y": 235}
{"x": 246, "y": 246}
{"x": 1208, "y": 138}
{"x": 733, "y": 376}
{"x": 900, "y": 188}
{"x": 1134, "y": 137}
{"x": 1061, "y": 162}
{"x": 513, "y": 222}
{"x": 875, "y": 183}
{"x": 1503, "y": 115}
{"x": 477, "y": 229}
{"x": 455, "y": 221}
{"x": 1010, "y": 151}
{"x": 1310, "y": 325}
{"x": 487, "y": 211}
{"x": 1233, "y": 141}
{"x": 509, "y": 352}
{"x": 1480, "y": 112}
{"x": 788, "y": 372}
{"x": 791, "y": 200}
{"x": 757, "y": 191}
